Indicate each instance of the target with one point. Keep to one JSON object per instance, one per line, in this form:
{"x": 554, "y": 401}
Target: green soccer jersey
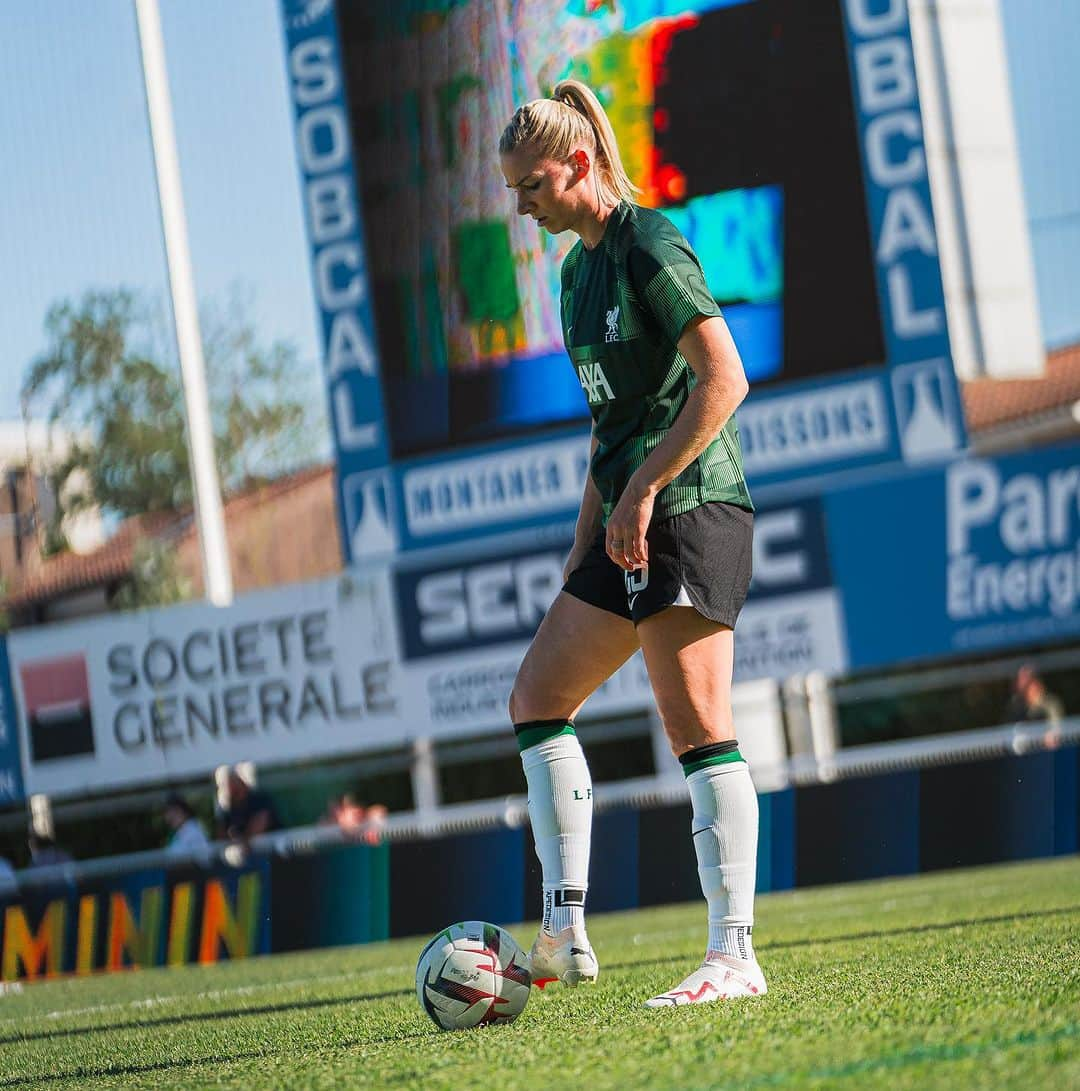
{"x": 625, "y": 305}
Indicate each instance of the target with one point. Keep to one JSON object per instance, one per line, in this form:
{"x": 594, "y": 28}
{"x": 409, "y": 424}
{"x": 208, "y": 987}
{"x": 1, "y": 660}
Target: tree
{"x": 156, "y": 579}
{"x": 116, "y": 391}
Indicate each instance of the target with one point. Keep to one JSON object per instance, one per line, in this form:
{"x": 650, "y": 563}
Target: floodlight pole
{"x": 209, "y": 516}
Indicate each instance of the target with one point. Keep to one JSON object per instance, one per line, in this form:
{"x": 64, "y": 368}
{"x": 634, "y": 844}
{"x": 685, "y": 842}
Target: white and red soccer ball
{"x": 471, "y": 974}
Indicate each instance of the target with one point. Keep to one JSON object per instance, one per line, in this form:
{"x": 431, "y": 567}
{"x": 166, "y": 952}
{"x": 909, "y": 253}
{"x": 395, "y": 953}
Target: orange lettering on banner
{"x": 236, "y": 932}
{"x": 84, "y": 952}
{"x": 32, "y": 950}
{"x": 139, "y": 942}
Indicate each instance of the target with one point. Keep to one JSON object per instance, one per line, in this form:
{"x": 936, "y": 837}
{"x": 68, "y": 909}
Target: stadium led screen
{"x": 735, "y": 118}
{"x": 783, "y": 137}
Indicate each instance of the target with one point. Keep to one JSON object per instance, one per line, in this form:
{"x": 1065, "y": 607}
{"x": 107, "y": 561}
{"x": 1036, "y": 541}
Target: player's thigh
{"x": 576, "y": 648}
{"x": 689, "y": 659}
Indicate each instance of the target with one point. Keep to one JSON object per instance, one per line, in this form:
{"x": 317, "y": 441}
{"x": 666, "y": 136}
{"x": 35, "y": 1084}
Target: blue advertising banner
{"x": 341, "y": 279}
{"x": 982, "y": 554}
{"x": 11, "y": 784}
{"x": 147, "y": 918}
{"x": 910, "y": 410}
{"x": 451, "y": 499}
{"x": 469, "y": 618}
{"x": 897, "y": 186}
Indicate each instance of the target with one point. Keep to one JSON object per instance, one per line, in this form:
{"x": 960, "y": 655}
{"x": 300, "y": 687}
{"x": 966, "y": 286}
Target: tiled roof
{"x": 68, "y": 573}
{"x": 990, "y": 403}
{"x": 261, "y": 494}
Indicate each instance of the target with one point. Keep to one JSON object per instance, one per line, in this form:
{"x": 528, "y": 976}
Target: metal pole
{"x": 425, "y": 777}
{"x": 209, "y": 516}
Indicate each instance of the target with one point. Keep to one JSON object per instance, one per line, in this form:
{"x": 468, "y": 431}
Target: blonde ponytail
{"x": 613, "y": 176}
{"x": 572, "y": 117}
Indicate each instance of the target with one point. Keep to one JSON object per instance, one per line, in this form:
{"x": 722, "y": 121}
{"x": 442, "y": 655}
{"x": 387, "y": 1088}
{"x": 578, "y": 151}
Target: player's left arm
{"x": 707, "y": 345}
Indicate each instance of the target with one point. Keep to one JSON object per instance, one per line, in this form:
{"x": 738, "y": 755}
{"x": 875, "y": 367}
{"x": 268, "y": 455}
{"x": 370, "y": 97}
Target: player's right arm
{"x": 589, "y": 519}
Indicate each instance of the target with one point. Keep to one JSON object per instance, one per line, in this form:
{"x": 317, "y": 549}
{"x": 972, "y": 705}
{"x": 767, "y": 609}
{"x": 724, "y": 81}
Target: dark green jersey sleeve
{"x": 669, "y": 281}
{"x": 566, "y": 289}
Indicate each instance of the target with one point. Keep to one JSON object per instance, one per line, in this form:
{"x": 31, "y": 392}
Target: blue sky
{"x": 78, "y": 205}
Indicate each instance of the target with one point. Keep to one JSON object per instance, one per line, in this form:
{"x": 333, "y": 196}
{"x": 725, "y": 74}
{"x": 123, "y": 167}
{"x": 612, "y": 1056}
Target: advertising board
{"x": 465, "y": 625}
{"x": 296, "y": 673}
{"x": 11, "y": 790}
{"x": 980, "y": 555}
{"x": 156, "y": 917}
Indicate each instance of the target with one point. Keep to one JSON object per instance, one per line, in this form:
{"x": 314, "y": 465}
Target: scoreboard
{"x": 783, "y": 138}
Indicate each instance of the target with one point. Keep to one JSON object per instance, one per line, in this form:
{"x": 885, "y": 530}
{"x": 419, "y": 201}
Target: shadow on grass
{"x": 192, "y": 1062}
{"x": 201, "y": 1017}
{"x": 884, "y": 933}
{"x": 302, "y": 1005}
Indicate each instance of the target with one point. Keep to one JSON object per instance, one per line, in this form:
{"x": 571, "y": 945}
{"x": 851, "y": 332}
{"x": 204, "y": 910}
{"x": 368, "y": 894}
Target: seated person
{"x": 45, "y": 852}
{"x": 188, "y": 833}
{"x": 1032, "y": 702}
{"x": 356, "y": 822}
{"x": 249, "y": 813}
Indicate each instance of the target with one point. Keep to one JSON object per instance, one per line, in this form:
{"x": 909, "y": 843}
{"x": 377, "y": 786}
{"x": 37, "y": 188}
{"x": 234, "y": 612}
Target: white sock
{"x": 560, "y": 809}
{"x": 725, "y": 830}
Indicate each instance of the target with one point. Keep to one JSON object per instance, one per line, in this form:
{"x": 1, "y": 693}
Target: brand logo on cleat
{"x": 694, "y": 997}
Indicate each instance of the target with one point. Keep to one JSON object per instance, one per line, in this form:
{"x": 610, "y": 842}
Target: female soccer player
{"x": 661, "y": 555}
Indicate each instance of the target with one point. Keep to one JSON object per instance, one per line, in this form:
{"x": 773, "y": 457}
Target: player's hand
{"x": 627, "y": 526}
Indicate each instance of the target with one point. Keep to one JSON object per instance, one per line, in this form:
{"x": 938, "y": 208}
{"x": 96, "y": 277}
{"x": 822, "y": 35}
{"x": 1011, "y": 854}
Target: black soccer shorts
{"x": 701, "y": 558}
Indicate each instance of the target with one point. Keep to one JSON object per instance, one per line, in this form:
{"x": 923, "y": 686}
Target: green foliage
{"x": 54, "y": 540}
{"x": 117, "y": 394}
{"x": 950, "y": 980}
{"x": 155, "y": 579}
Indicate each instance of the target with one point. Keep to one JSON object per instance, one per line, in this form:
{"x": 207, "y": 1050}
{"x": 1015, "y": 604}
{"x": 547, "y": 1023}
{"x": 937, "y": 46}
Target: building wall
{"x": 19, "y": 555}
{"x": 293, "y": 536}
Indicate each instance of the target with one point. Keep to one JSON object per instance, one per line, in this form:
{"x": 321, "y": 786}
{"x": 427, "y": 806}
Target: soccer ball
{"x": 470, "y": 974}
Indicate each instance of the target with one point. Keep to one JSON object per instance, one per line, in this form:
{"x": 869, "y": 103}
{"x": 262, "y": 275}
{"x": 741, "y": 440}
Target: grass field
{"x": 965, "y": 979}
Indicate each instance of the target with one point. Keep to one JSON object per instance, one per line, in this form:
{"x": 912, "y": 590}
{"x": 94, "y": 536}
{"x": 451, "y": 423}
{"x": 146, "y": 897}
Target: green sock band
{"x": 537, "y": 731}
{"x": 716, "y": 759}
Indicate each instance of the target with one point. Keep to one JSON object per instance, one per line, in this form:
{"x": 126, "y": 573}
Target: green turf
{"x": 965, "y": 979}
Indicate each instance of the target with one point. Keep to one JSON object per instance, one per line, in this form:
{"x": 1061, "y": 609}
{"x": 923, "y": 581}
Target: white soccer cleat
{"x": 721, "y": 978}
{"x": 567, "y": 957}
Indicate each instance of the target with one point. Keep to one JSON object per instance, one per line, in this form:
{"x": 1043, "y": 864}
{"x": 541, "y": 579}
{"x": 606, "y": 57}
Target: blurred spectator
{"x": 356, "y": 822}
{"x": 1032, "y": 702}
{"x": 188, "y": 833}
{"x": 249, "y": 811}
{"x": 7, "y": 875}
{"x": 45, "y": 852}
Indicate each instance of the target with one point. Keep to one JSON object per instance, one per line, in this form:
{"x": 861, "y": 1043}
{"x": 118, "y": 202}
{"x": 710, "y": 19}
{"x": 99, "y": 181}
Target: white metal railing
{"x": 643, "y": 793}
{"x": 944, "y": 677}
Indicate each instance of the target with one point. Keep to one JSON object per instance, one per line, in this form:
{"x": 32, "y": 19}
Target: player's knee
{"x": 688, "y": 731}
{"x": 526, "y": 703}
